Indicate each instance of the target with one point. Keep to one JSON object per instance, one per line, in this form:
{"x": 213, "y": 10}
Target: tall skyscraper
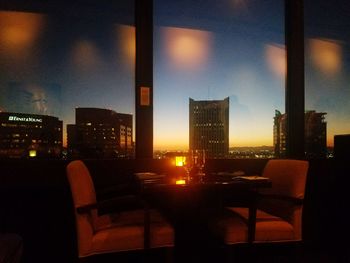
{"x": 315, "y": 134}
{"x": 100, "y": 133}
{"x": 209, "y": 127}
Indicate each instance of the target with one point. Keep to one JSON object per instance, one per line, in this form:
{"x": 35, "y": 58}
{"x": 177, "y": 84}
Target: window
{"x": 67, "y": 64}
{"x": 219, "y": 76}
{"x": 327, "y": 75}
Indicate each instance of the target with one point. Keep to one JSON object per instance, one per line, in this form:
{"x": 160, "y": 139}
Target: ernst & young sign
{"x": 24, "y": 119}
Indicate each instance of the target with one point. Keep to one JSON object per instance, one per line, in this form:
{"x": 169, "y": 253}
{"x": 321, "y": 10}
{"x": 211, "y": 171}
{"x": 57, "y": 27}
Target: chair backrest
{"x": 288, "y": 177}
{"x": 83, "y": 193}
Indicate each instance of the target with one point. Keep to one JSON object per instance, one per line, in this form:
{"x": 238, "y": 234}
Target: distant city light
{"x": 32, "y": 153}
{"x": 180, "y": 182}
{"x": 180, "y": 161}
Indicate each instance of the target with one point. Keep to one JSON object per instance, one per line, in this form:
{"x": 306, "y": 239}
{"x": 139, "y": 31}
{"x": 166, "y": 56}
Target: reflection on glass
{"x": 54, "y": 62}
{"x": 327, "y": 82}
{"x": 186, "y": 49}
{"x": 326, "y": 55}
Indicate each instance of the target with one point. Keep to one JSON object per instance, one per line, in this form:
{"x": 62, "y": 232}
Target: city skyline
{"x": 108, "y": 130}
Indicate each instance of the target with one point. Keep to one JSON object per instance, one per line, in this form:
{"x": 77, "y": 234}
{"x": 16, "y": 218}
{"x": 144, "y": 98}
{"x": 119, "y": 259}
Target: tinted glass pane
{"x": 56, "y": 60}
{"x": 229, "y": 58}
{"x": 327, "y": 78}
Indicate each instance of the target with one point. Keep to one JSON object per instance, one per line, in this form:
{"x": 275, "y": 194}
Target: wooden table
{"x": 195, "y": 200}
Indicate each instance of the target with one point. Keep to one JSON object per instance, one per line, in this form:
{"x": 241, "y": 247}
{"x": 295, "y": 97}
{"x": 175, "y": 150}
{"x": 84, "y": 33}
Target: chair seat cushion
{"x": 232, "y": 227}
{"x": 125, "y": 231}
{"x": 118, "y": 238}
{"x": 120, "y": 219}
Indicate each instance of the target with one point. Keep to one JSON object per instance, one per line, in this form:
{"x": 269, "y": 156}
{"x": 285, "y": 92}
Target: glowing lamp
{"x": 32, "y": 153}
{"x": 180, "y": 161}
{"x": 181, "y": 181}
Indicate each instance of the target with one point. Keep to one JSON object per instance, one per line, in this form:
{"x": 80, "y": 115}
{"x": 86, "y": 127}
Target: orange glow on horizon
{"x": 171, "y": 138}
{"x": 330, "y": 141}
{"x": 326, "y": 55}
{"x": 187, "y": 49}
{"x": 243, "y": 142}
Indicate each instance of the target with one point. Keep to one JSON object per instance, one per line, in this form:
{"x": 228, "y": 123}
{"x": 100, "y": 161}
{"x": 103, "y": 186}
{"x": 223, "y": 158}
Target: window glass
{"x": 67, "y": 79}
{"x": 327, "y": 75}
{"x": 219, "y": 76}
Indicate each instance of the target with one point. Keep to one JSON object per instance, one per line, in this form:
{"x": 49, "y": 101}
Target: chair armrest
{"x": 293, "y": 200}
{"x": 118, "y": 204}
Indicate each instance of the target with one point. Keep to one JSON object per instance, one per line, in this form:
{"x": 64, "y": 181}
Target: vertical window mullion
{"x": 144, "y": 78}
{"x": 295, "y": 95}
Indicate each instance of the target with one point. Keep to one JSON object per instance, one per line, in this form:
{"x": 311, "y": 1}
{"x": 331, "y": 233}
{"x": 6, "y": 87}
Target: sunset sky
{"x": 231, "y": 51}
{"x": 202, "y": 49}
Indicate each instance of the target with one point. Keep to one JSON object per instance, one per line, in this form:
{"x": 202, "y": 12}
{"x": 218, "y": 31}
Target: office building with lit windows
{"x": 209, "y": 127}
{"x": 30, "y": 136}
{"x": 100, "y": 133}
{"x": 279, "y": 134}
{"x": 315, "y": 134}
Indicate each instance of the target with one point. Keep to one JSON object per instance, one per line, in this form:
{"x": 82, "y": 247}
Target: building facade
{"x": 315, "y": 134}
{"x": 342, "y": 146}
{"x": 100, "y": 133}
{"x": 30, "y": 136}
{"x": 209, "y": 127}
{"x": 279, "y": 134}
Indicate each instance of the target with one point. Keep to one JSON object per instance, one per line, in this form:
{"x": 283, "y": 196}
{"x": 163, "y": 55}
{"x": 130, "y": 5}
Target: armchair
{"x": 109, "y": 233}
{"x": 279, "y": 214}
